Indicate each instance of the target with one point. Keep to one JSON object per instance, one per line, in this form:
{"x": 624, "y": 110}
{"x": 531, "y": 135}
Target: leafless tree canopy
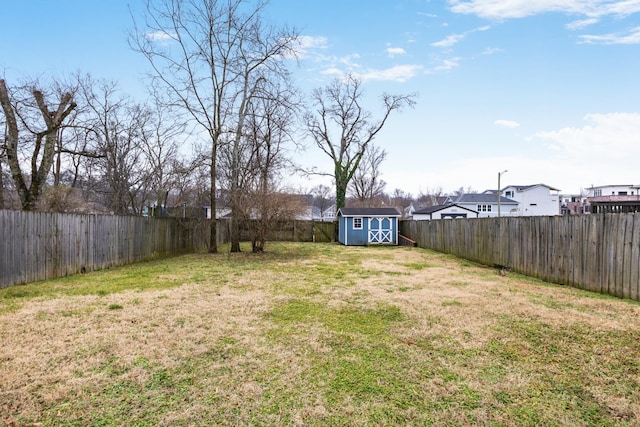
{"x": 366, "y": 184}
{"x": 32, "y": 133}
{"x": 343, "y": 129}
{"x": 212, "y": 57}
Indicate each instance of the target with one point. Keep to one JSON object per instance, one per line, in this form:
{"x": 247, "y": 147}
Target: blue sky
{"x": 548, "y": 89}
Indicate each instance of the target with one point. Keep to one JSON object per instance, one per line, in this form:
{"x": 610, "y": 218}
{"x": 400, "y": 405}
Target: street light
{"x": 500, "y": 174}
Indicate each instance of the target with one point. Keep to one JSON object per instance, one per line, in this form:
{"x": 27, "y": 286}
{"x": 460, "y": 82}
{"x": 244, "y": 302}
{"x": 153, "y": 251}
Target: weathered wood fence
{"x": 598, "y": 252}
{"x": 296, "y": 231}
{"x": 38, "y": 246}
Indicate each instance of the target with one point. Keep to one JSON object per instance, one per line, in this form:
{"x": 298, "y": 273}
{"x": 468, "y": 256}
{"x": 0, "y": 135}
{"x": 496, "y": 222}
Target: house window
{"x": 484, "y": 208}
{"x": 597, "y": 192}
{"x": 357, "y": 223}
{"x": 622, "y": 193}
{"x": 509, "y": 194}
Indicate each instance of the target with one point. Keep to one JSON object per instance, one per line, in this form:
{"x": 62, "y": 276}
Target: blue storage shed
{"x": 368, "y": 226}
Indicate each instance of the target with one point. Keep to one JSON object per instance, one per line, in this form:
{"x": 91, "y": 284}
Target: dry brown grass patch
{"x": 360, "y": 336}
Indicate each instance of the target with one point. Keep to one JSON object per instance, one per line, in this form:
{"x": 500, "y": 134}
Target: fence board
{"x": 597, "y": 252}
{"x": 37, "y": 246}
{"x": 634, "y": 273}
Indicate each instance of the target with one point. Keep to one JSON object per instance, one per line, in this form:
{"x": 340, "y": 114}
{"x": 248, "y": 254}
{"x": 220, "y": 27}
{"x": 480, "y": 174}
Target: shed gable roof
{"x": 368, "y": 212}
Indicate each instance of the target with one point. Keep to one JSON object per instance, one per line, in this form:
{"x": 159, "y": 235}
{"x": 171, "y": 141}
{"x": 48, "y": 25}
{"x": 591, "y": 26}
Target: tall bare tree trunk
{"x": 30, "y": 195}
{"x": 213, "y": 234}
{"x": 1, "y": 185}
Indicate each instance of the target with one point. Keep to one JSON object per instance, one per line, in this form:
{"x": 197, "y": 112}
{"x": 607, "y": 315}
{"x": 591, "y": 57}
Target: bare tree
{"x": 430, "y": 197}
{"x": 460, "y": 191}
{"x": 117, "y": 127}
{"x": 269, "y": 121}
{"x": 2, "y": 160}
{"x": 209, "y": 55}
{"x": 322, "y": 198}
{"x": 343, "y": 129}
{"x": 400, "y": 199}
{"x": 32, "y": 116}
{"x": 160, "y": 149}
{"x": 366, "y": 184}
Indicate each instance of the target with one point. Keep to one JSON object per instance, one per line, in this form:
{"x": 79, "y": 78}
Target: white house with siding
{"x": 447, "y": 211}
{"x": 486, "y": 204}
{"x": 533, "y": 200}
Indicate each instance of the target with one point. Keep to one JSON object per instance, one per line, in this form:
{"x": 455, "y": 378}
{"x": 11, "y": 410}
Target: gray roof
{"x": 432, "y": 209}
{"x": 368, "y": 212}
{"x": 526, "y": 187}
{"x": 483, "y": 198}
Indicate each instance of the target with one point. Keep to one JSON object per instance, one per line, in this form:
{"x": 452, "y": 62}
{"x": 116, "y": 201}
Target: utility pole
{"x": 499, "y": 192}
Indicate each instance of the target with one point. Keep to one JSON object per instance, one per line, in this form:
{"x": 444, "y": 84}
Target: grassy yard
{"x": 318, "y": 335}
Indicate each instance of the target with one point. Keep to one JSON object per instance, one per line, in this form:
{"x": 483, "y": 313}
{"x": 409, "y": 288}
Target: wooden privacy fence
{"x": 295, "y": 231}
{"x": 38, "y": 246}
{"x": 597, "y": 252}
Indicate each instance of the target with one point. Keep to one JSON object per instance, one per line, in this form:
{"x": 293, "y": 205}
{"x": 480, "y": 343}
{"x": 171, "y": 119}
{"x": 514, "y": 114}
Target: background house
{"x": 222, "y": 210}
{"x": 486, "y": 204}
{"x": 533, "y": 200}
{"x": 573, "y": 204}
{"x": 368, "y": 226}
{"x": 425, "y": 202}
{"x": 450, "y": 210}
{"x": 614, "y": 198}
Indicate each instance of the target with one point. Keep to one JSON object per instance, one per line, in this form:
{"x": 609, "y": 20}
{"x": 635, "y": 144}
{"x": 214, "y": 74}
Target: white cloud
{"x": 399, "y": 73}
{"x": 309, "y": 44}
{"x": 161, "y": 36}
{"x": 332, "y": 72}
{"x": 491, "y": 50}
{"x": 446, "y": 65}
{"x": 577, "y": 25}
{"x": 604, "y": 149}
{"x": 609, "y": 142}
{"x": 448, "y": 41}
{"x": 395, "y": 51}
{"x": 506, "y": 9}
{"x": 335, "y": 64}
{"x": 507, "y": 124}
{"x": 632, "y": 37}
{"x": 455, "y": 38}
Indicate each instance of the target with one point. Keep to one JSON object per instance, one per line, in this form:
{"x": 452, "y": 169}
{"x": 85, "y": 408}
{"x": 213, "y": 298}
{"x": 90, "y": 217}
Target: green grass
{"x": 315, "y": 334}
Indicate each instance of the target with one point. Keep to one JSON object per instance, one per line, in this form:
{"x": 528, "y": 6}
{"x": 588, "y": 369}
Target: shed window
{"x": 357, "y": 223}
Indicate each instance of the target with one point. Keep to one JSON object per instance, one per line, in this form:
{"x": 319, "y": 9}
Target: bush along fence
{"x": 597, "y": 252}
{"x": 38, "y": 246}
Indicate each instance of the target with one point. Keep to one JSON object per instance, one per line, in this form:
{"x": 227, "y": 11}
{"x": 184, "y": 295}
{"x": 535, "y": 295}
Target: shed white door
{"x": 380, "y": 231}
